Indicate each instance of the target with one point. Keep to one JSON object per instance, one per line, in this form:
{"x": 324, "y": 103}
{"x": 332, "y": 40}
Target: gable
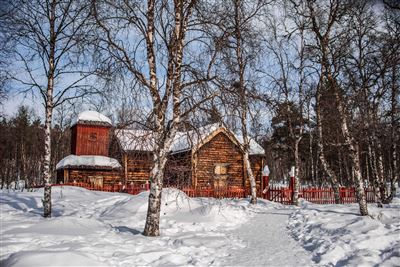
{"x": 220, "y": 133}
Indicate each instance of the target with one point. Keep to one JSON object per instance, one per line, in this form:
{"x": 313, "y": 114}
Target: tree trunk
{"x": 375, "y": 174}
{"x": 353, "y": 152}
{"x": 313, "y": 178}
{"x": 47, "y": 157}
{"x": 243, "y": 99}
{"x": 296, "y": 173}
{"x": 49, "y": 114}
{"x": 250, "y": 174}
{"x": 394, "y": 137}
{"x": 381, "y": 180}
{"x": 246, "y": 159}
{"x": 152, "y": 227}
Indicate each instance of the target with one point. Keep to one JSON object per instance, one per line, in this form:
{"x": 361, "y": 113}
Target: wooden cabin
{"x": 209, "y": 157}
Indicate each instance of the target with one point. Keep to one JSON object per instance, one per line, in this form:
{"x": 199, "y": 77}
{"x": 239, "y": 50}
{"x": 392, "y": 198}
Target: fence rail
{"x": 317, "y": 195}
{"x": 279, "y": 194}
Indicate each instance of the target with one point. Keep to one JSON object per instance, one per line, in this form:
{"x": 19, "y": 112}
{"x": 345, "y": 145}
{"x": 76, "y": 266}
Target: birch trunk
{"x": 353, "y": 153}
{"x": 49, "y": 113}
{"x": 375, "y": 174}
{"x": 165, "y": 134}
{"x": 243, "y": 99}
{"x": 381, "y": 178}
{"x": 313, "y": 178}
{"x": 246, "y": 148}
{"x": 296, "y": 173}
{"x": 152, "y": 226}
{"x": 394, "y": 137}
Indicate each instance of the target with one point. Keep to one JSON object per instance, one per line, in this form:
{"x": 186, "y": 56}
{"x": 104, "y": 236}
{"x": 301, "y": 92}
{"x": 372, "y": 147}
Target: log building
{"x": 210, "y": 156}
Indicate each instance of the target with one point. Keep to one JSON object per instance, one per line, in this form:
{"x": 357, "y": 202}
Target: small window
{"x": 93, "y": 137}
{"x": 221, "y": 169}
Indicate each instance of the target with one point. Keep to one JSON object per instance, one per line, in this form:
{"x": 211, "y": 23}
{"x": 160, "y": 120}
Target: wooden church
{"x": 210, "y": 156}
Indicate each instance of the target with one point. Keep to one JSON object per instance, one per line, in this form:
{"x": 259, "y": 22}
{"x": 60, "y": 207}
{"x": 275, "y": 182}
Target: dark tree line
{"x": 21, "y": 152}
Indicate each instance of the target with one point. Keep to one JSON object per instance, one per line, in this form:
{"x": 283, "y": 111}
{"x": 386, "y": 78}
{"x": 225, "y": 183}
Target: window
{"x": 220, "y": 176}
{"x": 93, "y": 137}
{"x": 221, "y": 169}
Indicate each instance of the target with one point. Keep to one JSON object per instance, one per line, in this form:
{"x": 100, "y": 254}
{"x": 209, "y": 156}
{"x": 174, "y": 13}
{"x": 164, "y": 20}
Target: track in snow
{"x": 266, "y": 242}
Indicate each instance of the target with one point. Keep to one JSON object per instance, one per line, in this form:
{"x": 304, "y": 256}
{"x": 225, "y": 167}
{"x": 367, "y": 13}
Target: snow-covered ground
{"x": 336, "y": 235}
{"x": 91, "y": 228}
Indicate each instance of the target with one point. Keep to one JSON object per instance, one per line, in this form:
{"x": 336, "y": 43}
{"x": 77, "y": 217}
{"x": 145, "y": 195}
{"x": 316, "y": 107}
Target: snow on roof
{"x": 91, "y": 115}
{"x": 186, "y": 140}
{"x": 88, "y": 161}
{"x": 135, "y": 140}
{"x": 143, "y": 140}
{"x": 255, "y": 148}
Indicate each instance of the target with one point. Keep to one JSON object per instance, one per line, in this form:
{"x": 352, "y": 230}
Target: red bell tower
{"x": 90, "y": 134}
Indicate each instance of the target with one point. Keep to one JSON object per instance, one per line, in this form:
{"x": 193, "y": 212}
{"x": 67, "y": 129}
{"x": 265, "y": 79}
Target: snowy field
{"x": 91, "y": 228}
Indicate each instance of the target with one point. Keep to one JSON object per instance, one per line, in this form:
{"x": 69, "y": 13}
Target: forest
{"x": 316, "y": 82}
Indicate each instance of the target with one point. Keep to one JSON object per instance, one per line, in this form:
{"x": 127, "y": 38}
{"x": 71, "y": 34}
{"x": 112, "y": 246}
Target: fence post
{"x": 292, "y": 183}
{"x": 265, "y": 174}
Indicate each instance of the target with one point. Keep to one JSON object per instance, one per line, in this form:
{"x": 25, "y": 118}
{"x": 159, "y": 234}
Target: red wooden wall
{"x": 90, "y": 139}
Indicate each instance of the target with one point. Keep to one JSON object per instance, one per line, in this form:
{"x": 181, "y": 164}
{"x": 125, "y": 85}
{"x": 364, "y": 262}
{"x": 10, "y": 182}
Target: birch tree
{"x": 323, "y": 19}
{"x": 391, "y": 57}
{"x": 47, "y": 35}
{"x": 238, "y": 38}
{"x": 286, "y": 44}
{"x": 150, "y": 41}
{"x": 362, "y": 70}
{"x": 305, "y": 10}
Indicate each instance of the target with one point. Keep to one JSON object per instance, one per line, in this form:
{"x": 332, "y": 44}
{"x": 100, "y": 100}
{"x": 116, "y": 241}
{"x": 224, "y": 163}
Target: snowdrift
{"x": 94, "y": 228}
{"x": 104, "y": 229}
{"x": 337, "y": 236}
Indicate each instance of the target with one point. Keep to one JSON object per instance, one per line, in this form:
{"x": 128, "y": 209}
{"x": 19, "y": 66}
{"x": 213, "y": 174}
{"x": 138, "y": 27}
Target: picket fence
{"x": 318, "y": 195}
{"x": 274, "y": 193}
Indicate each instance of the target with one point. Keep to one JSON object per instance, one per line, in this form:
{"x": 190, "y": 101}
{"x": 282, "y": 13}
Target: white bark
{"x": 49, "y": 114}
{"x": 353, "y": 153}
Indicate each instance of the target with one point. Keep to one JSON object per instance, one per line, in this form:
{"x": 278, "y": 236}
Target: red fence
{"x": 284, "y": 195}
{"x": 279, "y": 194}
{"x": 230, "y": 192}
{"x": 132, "y": 189}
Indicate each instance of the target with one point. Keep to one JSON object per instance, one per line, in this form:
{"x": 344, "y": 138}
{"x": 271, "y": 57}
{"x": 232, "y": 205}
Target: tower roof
{"x": 91, "y": 116}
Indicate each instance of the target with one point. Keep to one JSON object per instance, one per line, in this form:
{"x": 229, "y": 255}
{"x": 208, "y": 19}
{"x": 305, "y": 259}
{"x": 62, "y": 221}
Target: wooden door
{"x": 96, "y": 181}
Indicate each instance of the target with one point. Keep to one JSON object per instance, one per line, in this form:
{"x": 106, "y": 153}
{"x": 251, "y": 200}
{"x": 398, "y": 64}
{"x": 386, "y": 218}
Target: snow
{"x": 255, "y": 148}
{"x": 135, "y": 140}
{"x": 91, "y": 228}
{"x": 143, "y": 140}
{"x": 336, "y": 234}
{"x": 88, "y": 161}
{"x": 91, "y": 115}
{"x": 265, "y": 171}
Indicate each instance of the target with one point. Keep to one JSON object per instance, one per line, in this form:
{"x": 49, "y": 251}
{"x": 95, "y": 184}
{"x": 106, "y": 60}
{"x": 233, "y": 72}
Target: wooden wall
{"x": 178, "y": 170}
{"x": 181, "y": 168}
{"x": 219, "y": 150}
{"x": 83, "y": 176}
{"x": 90, "y": 139}
{"x": 138, "y": 166}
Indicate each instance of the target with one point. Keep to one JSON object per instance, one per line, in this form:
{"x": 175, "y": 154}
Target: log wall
{"x": 219, "y": 150}
{"x": 139, "y": 166}
{"x": 109, "y": 177}
{"x": 178, "y": 170}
